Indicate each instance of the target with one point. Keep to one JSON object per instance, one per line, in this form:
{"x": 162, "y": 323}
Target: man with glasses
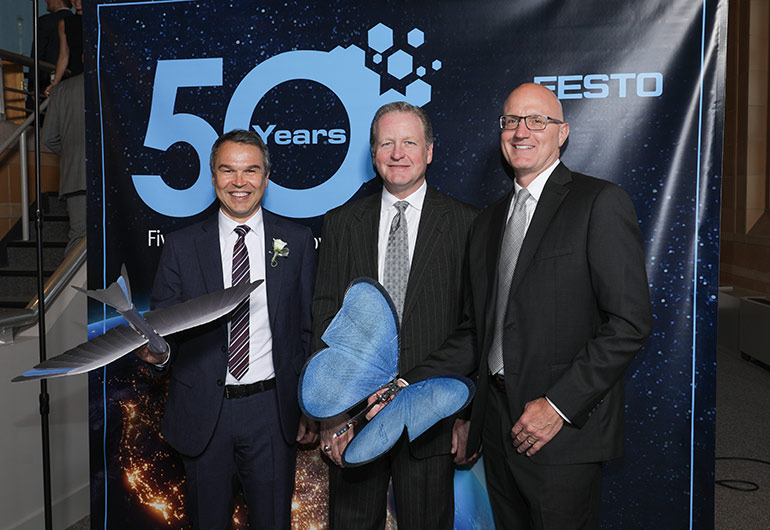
{"x": 559, "y": 307}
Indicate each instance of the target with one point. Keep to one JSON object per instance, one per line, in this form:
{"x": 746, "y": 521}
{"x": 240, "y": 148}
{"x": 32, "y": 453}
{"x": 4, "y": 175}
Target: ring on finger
{"x": 327, "y": 448}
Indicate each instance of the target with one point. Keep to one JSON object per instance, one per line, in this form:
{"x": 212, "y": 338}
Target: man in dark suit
{"x": 361, "y": 239}
{"x": 235, "y": 417}
{"x": 559, "y": 307}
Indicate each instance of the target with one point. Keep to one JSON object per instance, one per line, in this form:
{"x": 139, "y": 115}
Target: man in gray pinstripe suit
{"x": 353, "y": 244}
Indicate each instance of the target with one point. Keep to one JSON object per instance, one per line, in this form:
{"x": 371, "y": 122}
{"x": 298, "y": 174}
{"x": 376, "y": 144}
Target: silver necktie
{"x": 509, "y": 255}
{"x": 396, "y": 271}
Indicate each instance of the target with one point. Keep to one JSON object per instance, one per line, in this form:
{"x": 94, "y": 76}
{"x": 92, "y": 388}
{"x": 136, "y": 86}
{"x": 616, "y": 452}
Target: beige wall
{"x": 21, "y": 467}
{"x": 10, "y": 182}
{"x": 745, "y": 231}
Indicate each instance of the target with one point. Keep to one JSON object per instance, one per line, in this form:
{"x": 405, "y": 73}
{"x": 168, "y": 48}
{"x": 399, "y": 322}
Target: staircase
{"x": 18, "y": 259}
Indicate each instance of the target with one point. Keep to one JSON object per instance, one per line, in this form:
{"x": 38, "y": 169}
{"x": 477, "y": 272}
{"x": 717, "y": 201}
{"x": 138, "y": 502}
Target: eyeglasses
{"x": 536, "y": 122}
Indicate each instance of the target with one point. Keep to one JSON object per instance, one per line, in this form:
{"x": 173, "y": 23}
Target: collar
{"x": 415, "y": 200}
{"x": 535, "y": 187}
{"x": 227, "y": 225}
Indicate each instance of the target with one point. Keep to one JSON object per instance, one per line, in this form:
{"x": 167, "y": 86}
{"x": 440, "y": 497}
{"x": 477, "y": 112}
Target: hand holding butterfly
{"x": 336, "y": 444}
{"x": 307, "y": 433}
{"x": 459, "y": 443}
{"x": 376, "y": 402}
{"x": 459, "y": 429}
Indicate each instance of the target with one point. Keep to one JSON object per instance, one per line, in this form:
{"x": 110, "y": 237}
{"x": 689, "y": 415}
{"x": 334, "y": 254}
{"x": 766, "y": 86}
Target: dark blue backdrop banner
{"x": 641, "y": 84}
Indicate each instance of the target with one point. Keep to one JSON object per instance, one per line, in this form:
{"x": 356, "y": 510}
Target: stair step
{"x": 20, "y": 282}
{"x": 15, "y": 302}
{"x": 18, "y": 276}
{"x": 55, "y": 205}
{"x": 46, "y": 244}
{"x": 23, "y": 254}
{"x": 56, "y": 230}
{"x": 49, "y": 217}
{"x": 53, "y": 215}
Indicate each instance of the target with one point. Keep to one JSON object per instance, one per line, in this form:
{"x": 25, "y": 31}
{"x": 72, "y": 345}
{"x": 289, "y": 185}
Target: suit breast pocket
{"x": 554, "y": 253}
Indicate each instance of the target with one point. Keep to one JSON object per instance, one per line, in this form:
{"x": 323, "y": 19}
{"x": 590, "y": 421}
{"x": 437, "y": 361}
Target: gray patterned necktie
{"x": 396, "y": 271}
{"x": 509, "y": 255}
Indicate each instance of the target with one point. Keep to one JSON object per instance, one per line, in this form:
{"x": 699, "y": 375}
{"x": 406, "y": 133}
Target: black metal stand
{"x": 44, "y": 398}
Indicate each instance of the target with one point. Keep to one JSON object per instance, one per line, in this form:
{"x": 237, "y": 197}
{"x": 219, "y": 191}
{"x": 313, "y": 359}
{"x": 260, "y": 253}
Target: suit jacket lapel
{"x": 364, "y": 236}
{"x": 497, "y": 222}
{"x": 209, "y": 254}
{"x": 272, "y": 274}
{"x": 428, "y": 236}
{"x": 553, "y": 194}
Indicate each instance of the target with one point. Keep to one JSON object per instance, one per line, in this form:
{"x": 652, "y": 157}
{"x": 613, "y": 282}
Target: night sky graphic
{"x": 657, "y": 137}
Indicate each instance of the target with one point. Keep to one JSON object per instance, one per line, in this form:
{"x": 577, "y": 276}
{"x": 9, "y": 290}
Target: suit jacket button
{"x": 220, "y": 382}
{"x": 224, "y": 349}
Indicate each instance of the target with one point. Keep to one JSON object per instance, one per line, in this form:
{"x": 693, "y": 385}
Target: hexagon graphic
{"x": 377, "y": 58}
{"x": 420, "y": 71}
{"x": 380, "y": 37}
{"x": 436, "y": 65}
{"x": 400, "y": 64}
{"x": 415, "y": 38}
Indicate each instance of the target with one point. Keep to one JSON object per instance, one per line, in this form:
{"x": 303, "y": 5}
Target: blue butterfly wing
{"x": 379, "y": 435}
{"x": 362, "y": 355}
{"x": 417, "y": 407}
{"x": 434, "y": 399}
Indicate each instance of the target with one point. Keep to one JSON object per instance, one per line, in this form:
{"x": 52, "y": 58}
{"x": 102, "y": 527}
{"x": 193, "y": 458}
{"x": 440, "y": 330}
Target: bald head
{"x": 530, "y": 152}
{"x": 536, "y": 95}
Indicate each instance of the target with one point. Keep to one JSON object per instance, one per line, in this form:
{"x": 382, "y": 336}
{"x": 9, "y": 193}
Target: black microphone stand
{"x": 44, "y": 398}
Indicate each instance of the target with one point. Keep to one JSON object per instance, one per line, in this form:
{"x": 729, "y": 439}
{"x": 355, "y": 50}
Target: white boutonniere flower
{"x": 280, "y": 248}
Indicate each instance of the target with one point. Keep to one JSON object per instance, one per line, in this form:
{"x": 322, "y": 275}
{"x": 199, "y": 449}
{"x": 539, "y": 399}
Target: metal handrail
{"x": 19, "y": 134}
{"x": 23, "y": 60}
{"x": 21, "y": 128}
{"x": 11, "y": 319}
{"x": 26, "y": 61}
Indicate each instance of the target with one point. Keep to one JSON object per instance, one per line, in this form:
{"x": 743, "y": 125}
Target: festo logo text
{"x": 619, "y": 85}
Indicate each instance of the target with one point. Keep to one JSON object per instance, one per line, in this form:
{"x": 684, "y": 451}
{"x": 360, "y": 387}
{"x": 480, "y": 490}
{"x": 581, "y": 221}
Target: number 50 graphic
{"x": 342, "y": 70}
{"x": 164, "y": 128}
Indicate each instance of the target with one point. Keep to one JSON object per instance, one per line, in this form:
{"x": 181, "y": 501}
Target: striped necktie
{"x": 238, "y": 360}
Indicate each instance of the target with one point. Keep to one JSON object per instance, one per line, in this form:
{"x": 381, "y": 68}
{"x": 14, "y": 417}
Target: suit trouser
{"x": 247, "y": 448}
{"x": 530, "y": 496}
{"x": 423, "y": 490}
{"x": 76, "y": 210}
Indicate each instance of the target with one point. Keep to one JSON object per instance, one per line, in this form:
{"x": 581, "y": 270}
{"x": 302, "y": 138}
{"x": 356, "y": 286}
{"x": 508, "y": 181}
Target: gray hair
{"x": 400, "y": 106}
{"x": 240, "y": 136}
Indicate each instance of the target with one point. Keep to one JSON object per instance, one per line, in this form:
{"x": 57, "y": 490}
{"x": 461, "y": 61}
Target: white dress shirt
{"x": 261, "y": 338}
{"x": 388, "y": 212}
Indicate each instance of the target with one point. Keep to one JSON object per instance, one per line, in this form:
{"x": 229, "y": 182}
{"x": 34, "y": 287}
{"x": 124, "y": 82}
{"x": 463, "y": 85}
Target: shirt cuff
{"x": 560, "y": 413}
{"x": 164, "y": 363}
